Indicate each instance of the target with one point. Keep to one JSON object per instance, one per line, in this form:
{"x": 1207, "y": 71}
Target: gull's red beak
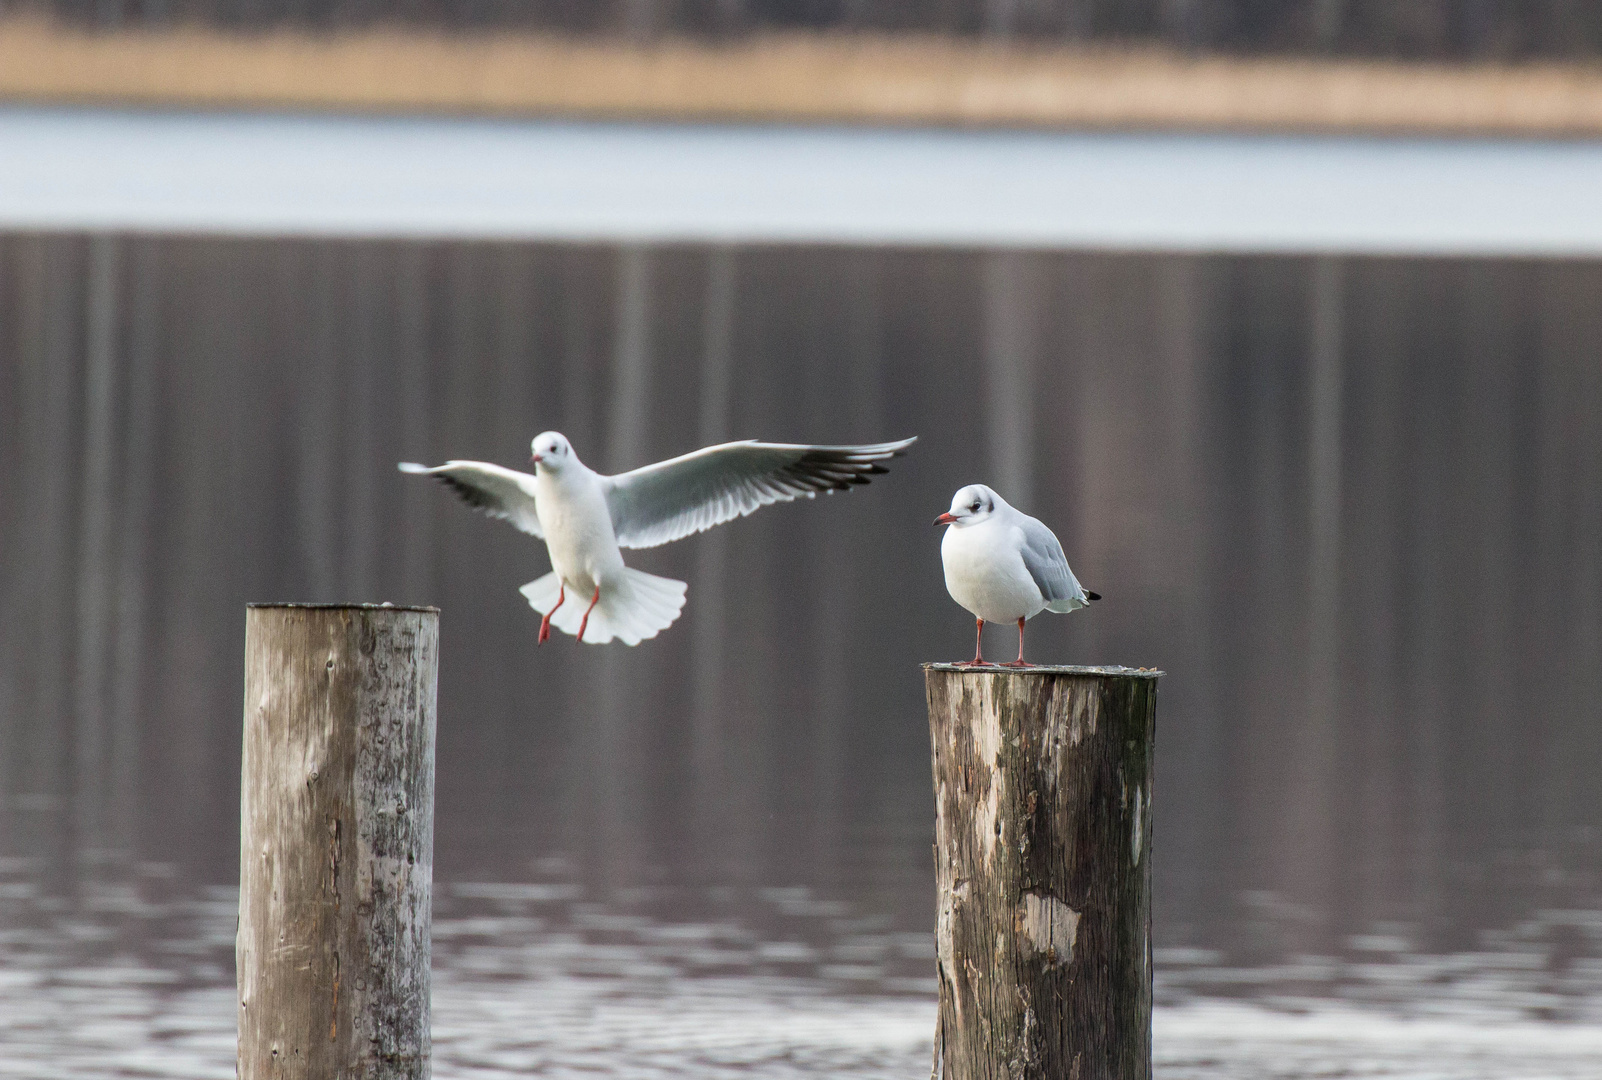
{"x": 945, "y": 519}
{"x": 536, "y": 459}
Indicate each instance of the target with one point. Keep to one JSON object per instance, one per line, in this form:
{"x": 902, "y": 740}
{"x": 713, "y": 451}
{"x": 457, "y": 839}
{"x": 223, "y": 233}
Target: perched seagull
{"x": 585, "y": 518}
{"x": 1003, "y": 565}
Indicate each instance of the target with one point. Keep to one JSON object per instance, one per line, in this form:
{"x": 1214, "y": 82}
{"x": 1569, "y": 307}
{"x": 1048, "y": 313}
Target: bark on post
{"x": 336, "y": 841}
{"x": 1043, "y": 780}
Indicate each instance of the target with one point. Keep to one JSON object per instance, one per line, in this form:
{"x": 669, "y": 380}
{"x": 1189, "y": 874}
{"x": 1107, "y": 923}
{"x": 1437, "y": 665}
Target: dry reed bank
{"x": 799, "y": 77}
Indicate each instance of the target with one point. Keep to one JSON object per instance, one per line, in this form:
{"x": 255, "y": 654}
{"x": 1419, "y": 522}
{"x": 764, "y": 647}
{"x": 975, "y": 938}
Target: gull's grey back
{"x": 1044, "y": 558}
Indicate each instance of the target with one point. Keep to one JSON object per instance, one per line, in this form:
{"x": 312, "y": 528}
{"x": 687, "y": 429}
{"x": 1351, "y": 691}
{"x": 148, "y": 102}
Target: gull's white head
{"x": 552, "y": 451}
{"x": 970, "y": 506}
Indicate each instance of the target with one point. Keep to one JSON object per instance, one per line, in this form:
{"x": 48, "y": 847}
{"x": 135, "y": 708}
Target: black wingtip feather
{"x": 833, "y": 468}
{"x": 469, "y": 494}
{"x": 1092, "y": 595}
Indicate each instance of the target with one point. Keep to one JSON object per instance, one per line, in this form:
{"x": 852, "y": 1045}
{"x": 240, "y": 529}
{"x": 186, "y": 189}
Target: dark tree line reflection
{"x": 1353, "y": 507}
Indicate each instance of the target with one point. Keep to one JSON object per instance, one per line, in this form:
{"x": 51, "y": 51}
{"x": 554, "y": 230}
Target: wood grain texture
{"x": 1043, "y": 782}
{"x": 337, "y": 842}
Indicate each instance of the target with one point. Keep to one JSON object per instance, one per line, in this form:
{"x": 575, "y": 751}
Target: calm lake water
{"x": 1352, "y": 506}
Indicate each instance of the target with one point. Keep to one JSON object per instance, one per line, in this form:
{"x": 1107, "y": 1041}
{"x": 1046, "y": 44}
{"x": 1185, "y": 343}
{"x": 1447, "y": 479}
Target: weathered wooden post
{"x": 1043, "y": 867}
{"x": 336, "y": 841}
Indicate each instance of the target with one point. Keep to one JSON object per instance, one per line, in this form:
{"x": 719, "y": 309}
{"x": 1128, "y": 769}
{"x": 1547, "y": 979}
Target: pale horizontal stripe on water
{"x": 72, "y": 169}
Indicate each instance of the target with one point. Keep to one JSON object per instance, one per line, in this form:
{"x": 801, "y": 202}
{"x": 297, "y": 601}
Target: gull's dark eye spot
{"x": 974, "y": 508}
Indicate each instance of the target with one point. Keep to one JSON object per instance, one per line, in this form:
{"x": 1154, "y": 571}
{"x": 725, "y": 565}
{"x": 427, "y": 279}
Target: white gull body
{"x": 586, "y": 519}
{"x": 1003, "y": 565}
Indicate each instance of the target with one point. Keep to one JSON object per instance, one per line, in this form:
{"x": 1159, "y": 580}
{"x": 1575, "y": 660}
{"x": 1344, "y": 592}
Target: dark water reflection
{"x": 1352, "y": 506}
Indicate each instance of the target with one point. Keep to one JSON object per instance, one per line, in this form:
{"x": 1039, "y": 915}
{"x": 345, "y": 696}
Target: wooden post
{"x": 1043, "y": 780}
{"x": 336, "y": 841}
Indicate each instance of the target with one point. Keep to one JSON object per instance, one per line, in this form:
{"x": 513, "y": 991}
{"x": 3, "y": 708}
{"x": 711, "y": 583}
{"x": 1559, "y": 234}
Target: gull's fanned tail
{"x": 542, "y": 595}
{"x": 637, "y": 607}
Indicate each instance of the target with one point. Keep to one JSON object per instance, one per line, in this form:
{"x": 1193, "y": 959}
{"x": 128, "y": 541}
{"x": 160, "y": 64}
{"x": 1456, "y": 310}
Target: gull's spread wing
{"x": 685, "y": 495}
{"x": 501, "y": 493}
{"x": 1043, "y": 557}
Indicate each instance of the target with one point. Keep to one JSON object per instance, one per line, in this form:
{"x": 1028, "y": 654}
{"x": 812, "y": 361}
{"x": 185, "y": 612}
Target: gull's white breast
{"x": 985, "y": 572}
{"x": 578, "y": 530}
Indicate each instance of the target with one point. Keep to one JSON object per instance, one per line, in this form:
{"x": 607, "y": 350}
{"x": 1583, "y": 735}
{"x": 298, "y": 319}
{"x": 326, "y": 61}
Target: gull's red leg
{"x": 545, "y": 623}
{"x": 978, "y": 646}
{"x": 1020, "y": 661}
{"x": 596, "y": 599}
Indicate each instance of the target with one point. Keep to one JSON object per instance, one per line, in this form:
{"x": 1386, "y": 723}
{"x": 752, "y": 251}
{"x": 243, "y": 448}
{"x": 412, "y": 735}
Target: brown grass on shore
{"x": 880, "y": 80}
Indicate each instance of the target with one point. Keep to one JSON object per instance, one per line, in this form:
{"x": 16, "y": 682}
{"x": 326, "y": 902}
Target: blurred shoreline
{"x": 800, "y": 78}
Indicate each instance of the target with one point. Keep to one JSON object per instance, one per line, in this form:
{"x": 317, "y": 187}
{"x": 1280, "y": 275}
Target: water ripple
{"x": 542, "y": 978}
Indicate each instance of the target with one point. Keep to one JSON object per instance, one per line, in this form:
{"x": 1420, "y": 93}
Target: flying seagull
{"x": 585, "y": 518}
{"x": 1003, "y": 565}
